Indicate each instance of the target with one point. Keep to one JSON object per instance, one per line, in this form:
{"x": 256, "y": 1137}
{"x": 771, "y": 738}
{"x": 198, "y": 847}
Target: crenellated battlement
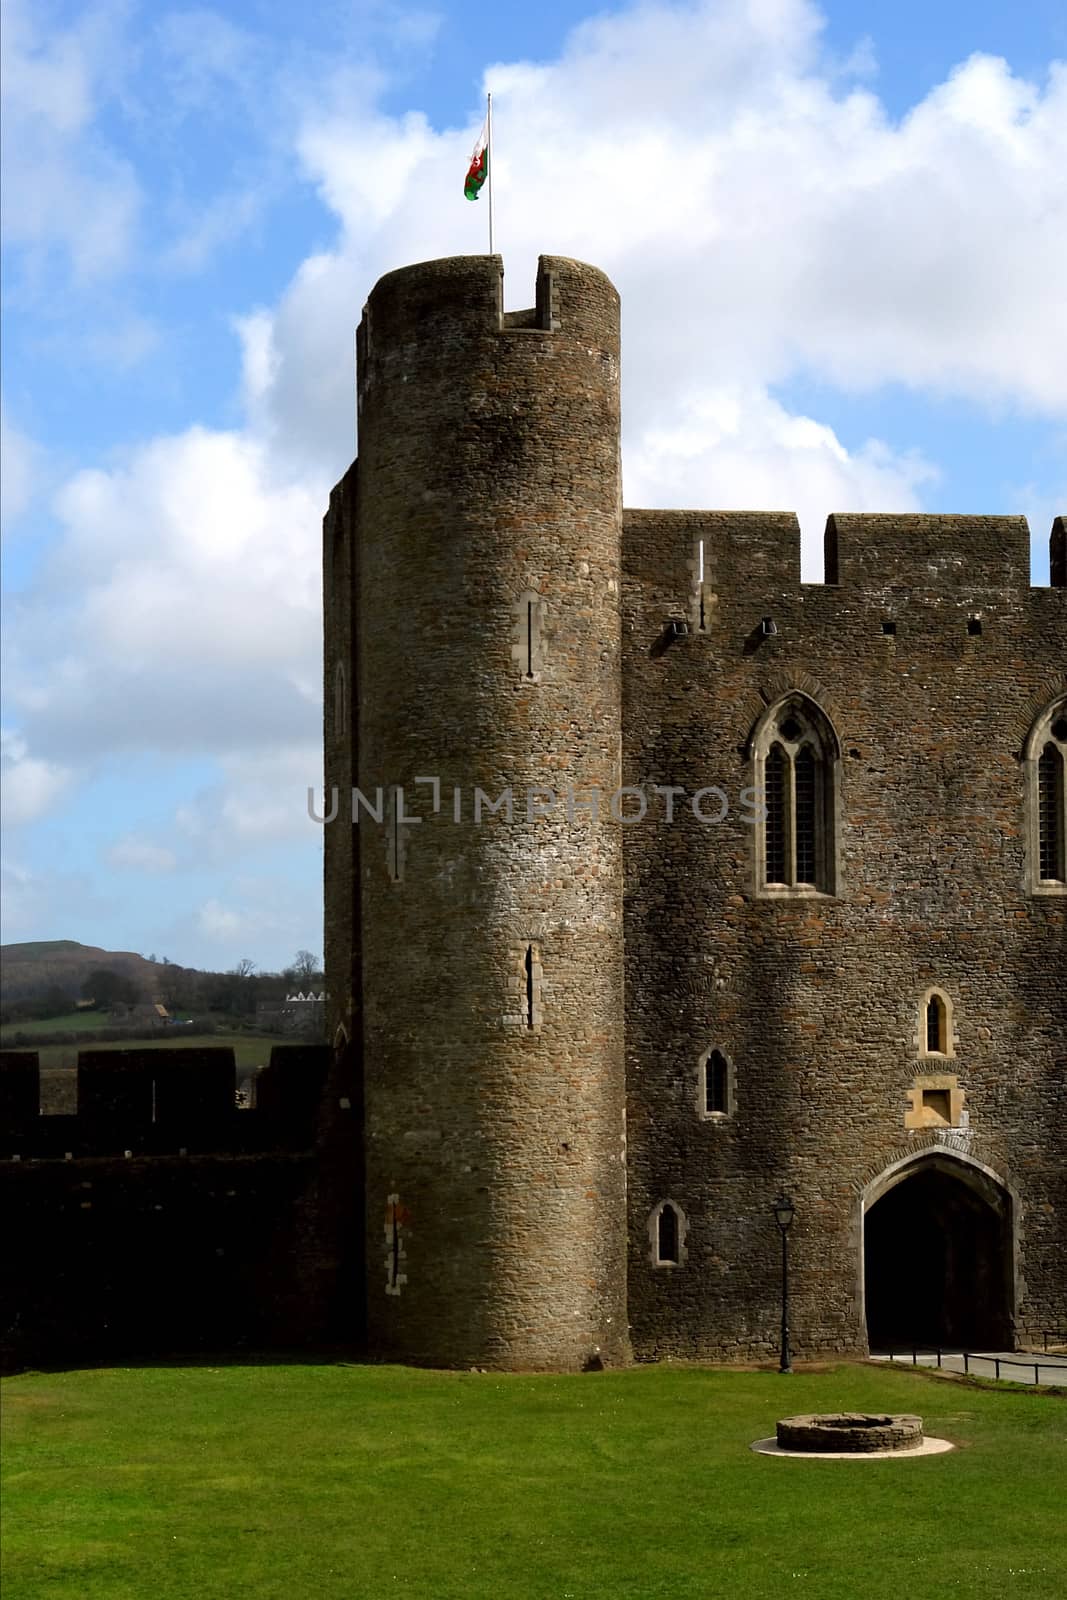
{"x": 161, "y": 1102}
{"x": 441, "y": 315}
{"x": 699, "y": 564}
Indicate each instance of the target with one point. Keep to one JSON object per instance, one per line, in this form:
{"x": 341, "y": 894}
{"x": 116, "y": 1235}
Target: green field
{"x": 250, "y": 1050}
{"x": 288, "y": 1482}
{"x": 73, "y": 1022}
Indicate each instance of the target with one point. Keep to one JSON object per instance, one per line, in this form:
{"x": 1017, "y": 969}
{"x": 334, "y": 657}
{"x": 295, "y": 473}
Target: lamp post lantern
{"x": 784, "y": 1212}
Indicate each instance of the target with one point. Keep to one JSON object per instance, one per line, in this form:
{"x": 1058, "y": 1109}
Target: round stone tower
{"x": 488, "y": 524}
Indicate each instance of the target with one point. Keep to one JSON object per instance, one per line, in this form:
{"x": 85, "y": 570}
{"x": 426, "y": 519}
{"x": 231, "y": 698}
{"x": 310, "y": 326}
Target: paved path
{"x": 1015, "y": 1366}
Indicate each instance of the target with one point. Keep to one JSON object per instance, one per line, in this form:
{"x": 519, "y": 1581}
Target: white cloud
{"x": 207, "y": 227}
{"x": 188, "y": 583}
{"x": 134, "y": 854}
{"x": 29, "y": 786}
{"x": 760, "y": 218}
{"x": 257, "y": 914}
{"x": 260, "y": 798}
{"x": 63, "y": 185}
{"x": 37, "y": 905}
{"x": 220, "y": 924}
{"x": 765, "y": 457}
{"x": 259, "y": 358}
{"x": 19, "y": 463}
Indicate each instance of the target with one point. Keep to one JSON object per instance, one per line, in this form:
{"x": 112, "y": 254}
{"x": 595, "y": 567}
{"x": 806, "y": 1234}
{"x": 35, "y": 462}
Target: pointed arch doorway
{"x": 938, "y": 1255}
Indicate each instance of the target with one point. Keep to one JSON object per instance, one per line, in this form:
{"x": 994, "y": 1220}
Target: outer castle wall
{"x": 158, "y": 1218}
{"x": 489, "y": 520}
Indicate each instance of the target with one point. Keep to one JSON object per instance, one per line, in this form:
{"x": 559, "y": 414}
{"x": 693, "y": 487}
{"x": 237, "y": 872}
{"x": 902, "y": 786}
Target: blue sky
{"x": 861, "y": 209}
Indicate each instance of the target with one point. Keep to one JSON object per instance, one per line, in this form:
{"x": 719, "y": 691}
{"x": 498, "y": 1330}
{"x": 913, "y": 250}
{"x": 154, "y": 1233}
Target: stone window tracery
{"x": 1045, "y": 767}
{"x": 795, "y": 756}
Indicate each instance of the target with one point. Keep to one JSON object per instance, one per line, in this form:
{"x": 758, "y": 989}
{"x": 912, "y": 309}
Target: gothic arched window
{"x": 1046, "y": 778}
{"x": 715, "y": 1085}
{"x": 667, "y": 1241}
{"x": 667, "y": 1228}
{"x": 795, "y": 755}
{"x": 936, "y": 1024}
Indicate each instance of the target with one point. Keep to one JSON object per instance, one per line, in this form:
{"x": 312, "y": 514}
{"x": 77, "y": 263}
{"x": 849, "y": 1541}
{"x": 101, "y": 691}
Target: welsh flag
{"x": 479, "y": 167}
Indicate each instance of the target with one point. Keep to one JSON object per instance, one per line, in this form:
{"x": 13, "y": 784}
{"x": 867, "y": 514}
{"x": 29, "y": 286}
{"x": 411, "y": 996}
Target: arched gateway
{"x": 938, "y": 1254}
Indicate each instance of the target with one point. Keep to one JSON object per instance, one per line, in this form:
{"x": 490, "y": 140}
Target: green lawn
{"x": 344, "y": 1482}
{"x": 72, "y": 1022}
{"x": 250, "y": 1050}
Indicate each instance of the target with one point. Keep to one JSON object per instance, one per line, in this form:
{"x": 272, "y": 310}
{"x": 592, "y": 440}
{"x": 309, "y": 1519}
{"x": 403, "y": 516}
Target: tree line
{"x": 183, "y": 990}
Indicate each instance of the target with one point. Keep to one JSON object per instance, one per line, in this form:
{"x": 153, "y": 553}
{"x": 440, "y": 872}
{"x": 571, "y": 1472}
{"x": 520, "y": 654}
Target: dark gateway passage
{"x": 937, "y": 1266}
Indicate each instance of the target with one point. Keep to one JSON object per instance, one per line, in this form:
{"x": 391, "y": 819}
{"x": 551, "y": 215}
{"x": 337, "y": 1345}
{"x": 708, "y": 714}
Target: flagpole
{"x": 489, "y": 153}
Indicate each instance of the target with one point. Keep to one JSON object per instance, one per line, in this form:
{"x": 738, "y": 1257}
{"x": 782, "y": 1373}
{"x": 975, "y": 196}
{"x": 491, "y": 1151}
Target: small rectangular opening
{"x": 937, "y": 1107}
{"x": 890, "y": 628}
{"x": 974, "y": 626}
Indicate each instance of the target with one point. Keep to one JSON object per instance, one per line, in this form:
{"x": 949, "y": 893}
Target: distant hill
{"x": 29, "y": 971}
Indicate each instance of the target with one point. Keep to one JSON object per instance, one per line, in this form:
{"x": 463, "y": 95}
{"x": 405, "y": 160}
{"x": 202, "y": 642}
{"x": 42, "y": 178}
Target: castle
{"x": 659, "y": 884}
{"x": 670, "y": 883}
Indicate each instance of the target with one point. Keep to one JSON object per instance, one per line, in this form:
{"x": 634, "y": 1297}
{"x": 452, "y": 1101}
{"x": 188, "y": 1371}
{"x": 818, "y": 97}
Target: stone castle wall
{"x": 488, "y": 522}
{"x": 482, "y": 630}
{"x": 158, "y": 1218}
{"x": 815, "y": 999}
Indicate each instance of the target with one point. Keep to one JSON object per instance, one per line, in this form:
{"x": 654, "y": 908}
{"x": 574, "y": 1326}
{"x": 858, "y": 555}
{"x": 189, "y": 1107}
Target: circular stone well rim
{"x": 849, "y": 1432}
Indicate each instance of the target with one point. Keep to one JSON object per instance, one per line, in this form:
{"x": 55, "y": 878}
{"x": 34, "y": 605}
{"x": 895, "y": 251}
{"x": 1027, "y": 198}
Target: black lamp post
{"x": 784, "y": 1212}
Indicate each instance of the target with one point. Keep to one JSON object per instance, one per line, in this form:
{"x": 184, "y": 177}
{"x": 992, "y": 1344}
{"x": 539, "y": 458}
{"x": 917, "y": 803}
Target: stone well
{"x": 850, "y": 1432}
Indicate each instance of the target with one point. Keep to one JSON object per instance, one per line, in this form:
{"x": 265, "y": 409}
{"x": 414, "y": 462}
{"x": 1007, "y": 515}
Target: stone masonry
{"x": 529, "y": 1006}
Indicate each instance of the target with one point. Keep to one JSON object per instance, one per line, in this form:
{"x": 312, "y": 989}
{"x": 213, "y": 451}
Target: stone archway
{"x": 938, "y": 1255}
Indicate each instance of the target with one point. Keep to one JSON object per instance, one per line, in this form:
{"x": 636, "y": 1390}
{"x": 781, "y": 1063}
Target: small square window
{"x": 937, "y": 1107}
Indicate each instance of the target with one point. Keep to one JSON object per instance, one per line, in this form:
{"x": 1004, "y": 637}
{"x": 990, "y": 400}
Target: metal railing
{"x": 967, "y": 1356}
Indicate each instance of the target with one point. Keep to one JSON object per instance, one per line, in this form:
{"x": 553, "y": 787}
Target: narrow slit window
{"x": 394, "y": 844}
{"x": 528, "y": 636}
{"x": 715, "y": 1085}
{"x": 1049, "y": 815}
{"x": 529, "y": 986}
{"x": 339, "y": 699}
{"x": 667, "y": 1234}
{"x": 935, "y": 1025}
{"x": 775, "y": 799}
{"x": 394, "y": 1252}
